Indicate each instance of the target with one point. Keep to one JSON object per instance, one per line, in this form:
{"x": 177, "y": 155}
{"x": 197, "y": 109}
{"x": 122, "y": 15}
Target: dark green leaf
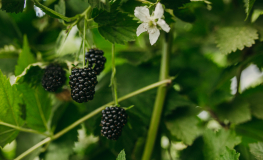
{"x": 10, "y": 111}
{"x": 9, "y": 32}
{"x": 13, "y": 5}
{"x": 236, "y": 111}
{"x": 100, "y": 4}
{"x": 116, "y": 27}
{"x": 250, "y": 131}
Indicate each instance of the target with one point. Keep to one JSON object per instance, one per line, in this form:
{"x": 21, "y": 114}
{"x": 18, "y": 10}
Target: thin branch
{"x": 22, "y": 129}
{"x": 81, "y": 120}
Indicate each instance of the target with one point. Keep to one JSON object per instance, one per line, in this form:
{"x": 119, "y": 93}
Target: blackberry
{"x": 53, "y": 78}
{"x": 112, "y": 121}
{"x": 82, "y": 83}
{"x": 96, "y": 59}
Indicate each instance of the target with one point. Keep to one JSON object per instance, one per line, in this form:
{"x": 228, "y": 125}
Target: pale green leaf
{"x": 53, "y": 13}
{"x": 230, "y": 39}
{"x": 38, "y": 107}
{"x": 9, "y": 110}
{"x": 256, "y": 14}
{"x": 184, "y": 128}
{"x": 236, "y": 111}
{"x": 257, "y": 150}
{"x": 13, "y": 5}
{"x": 100, "y": 4}
{"x": 248, "y": 6}
{"x": 116, "y": 27}
{"x": 121, "y": 155}
{"x": 215, "y": 142}
{"x": 25, "y": 58}
{"x": 229, "y": 154}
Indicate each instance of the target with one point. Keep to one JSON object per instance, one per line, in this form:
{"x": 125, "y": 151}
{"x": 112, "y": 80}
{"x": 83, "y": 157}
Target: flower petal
{"x": 158, "y": 12}
{"x": 142, "y": 13}
{"x": 142, "y": 28}
{"x": 154, "y": 34}
{"x": 163, "y": 25}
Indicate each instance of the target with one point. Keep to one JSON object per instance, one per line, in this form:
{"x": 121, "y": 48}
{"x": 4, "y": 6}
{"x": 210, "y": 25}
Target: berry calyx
{"x": 53, "y": 78}
{"x": 82, "y": 83}
{"x": 112, "y": 121}
{"x": 96, "y": 60}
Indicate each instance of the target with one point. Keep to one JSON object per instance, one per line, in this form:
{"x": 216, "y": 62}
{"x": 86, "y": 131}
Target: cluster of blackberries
{"x": 112, "y": 122}
{"x": 96, "y": 59}
{"x": 82, "y": 83}
{"x": 54, "y": 77}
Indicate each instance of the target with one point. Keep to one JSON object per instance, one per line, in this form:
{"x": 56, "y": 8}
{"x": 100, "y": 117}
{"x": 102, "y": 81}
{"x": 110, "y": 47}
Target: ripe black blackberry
{"x": 112, "y": 121}
{"x": 82, "y": 83}
{"x": 53, "y": 78}
{"x": 96, "y": 59}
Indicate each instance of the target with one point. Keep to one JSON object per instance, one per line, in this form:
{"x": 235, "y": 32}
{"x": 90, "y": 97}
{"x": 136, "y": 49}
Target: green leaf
{"x": 248, "y": 6}
{"x": 116, "y": 27}
{"x": 53, "y": 13}
{"x": 250, "y": 131}
{"x": 254, "y": 98}
{"x": 229, "y": 154}
{"x": 215, "y": 142}
{"x": 38, "y": 107}
{"x": 121, "y": 155}
{"x": 236, "y": 111}
{"x": 13, "y": 5}
{"x": 32, "y": 74}
{"x": 25, "y": 58}
{"x": 256, "y": 14}
{"x": 100, "y": 4}
{"x": 183, "y": 125}
{"x": 229, "y": 39}
{"x": 257, "y": 150}
{"x": 9, "y": 110}
{"x": 61, "y": 8}
{"x": 9, "y": 52}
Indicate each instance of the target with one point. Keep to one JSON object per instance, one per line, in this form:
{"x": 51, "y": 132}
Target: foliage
{"x": 208, "y": 105}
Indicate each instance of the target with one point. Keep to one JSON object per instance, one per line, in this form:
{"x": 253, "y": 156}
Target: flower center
{"x": 150, "y": 23}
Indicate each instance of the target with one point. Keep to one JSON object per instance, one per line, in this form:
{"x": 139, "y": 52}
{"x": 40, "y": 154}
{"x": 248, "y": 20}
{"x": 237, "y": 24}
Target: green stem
{"x": 159, "y": 102}
{"x": 59, "y": 134}
{"x": 84, "y": 39}
{"x": 22, "y": 129}
{"x": 113, "y": 78}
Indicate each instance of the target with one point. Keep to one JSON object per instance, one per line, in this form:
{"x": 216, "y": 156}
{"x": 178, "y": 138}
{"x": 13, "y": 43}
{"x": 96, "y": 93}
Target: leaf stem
{"x": 78, "y": 122}
{"x": 159, "y": 101}
{"x": 22, "y": 129}
{"x": 84, "y": 39}
{"x": 113, "y": 78}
